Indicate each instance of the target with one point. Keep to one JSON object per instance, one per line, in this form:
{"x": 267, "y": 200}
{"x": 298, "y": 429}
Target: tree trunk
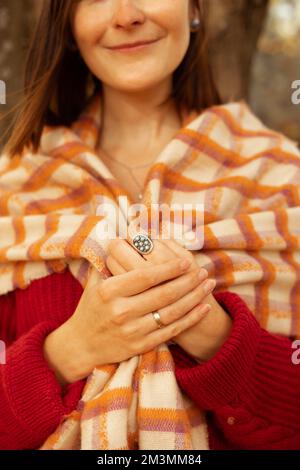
{"x": 234, "y": 27}
{"x": 15, "y": 27}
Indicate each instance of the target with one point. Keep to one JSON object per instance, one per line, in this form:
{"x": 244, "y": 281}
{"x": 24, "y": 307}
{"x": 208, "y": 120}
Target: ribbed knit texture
{"x": 251, "y": 385}
{"x": 250, "y": 389}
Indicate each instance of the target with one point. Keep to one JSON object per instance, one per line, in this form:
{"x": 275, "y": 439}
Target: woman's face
{"x": 100, "y": 24}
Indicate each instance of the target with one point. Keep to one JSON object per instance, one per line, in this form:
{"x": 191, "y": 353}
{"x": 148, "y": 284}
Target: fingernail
{"x": 202, "y": 274}
{"x": 209, "y": 285}
{"x": 185, "y": 264}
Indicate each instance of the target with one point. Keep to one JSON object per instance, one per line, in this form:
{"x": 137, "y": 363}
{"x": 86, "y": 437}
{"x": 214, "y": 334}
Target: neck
{"x": 145, "y": 115}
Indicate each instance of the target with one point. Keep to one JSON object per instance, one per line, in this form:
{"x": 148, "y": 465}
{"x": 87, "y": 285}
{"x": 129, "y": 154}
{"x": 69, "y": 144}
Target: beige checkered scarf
{"x": 247, "y": 178}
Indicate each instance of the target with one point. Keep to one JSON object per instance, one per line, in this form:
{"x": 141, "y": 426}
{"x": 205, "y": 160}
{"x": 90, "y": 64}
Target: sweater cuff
{"x": 217, "y": 382}
{"x": 33, "y": 394}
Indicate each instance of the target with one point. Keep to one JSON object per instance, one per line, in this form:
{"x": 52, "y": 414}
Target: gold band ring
{"x": 157, "y": 318}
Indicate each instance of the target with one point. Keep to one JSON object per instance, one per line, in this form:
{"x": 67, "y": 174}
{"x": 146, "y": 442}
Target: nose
{"x": 127, "y": 14}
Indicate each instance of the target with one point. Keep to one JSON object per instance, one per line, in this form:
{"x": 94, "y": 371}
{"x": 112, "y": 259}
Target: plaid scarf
{"x": 247, "y": 178}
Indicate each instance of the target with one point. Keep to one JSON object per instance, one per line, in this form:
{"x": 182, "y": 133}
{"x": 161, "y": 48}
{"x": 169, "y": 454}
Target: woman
{"x": 238, "y": 384}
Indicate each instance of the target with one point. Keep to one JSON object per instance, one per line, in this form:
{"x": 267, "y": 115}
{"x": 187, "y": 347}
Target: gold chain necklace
{"x": 130, "y": 170}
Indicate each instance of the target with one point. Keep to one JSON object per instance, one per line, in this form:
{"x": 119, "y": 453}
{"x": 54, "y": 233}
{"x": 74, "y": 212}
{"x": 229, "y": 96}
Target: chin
{"x": 134, "y": 85}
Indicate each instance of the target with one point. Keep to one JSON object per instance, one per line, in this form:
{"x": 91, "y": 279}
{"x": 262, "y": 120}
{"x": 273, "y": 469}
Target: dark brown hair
{"x": 57, "y": 80}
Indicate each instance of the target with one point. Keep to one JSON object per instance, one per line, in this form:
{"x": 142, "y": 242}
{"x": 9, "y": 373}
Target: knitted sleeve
{"x": 32, "y": 401}
{"x": 250, "y": 388}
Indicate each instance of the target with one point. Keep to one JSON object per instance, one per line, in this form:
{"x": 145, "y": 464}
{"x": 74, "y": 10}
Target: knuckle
{"x": 149, "y": 346}
{"x": 136, "y": 347}
{"x": 146, "y": 346}
{"x": 148, "y": 276}
{"x": 104, "y": 291}
{"x": 120, "y": 312}
{"x": 116, "y": 319}
{"x": 129, "y": 330}
{"x": 173, "y": 313}
{"x": 168, "y": 293}
{"x": 189, "y": 256}
{"x": 175, "y": 330}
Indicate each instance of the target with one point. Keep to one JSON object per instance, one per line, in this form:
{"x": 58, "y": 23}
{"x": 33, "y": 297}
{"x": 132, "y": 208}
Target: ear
{"x": 193, "y": 9}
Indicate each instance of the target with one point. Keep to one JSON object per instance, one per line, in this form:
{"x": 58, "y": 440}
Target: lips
{"x": 133, "y": 45}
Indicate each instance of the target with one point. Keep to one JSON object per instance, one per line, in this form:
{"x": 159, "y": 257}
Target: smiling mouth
{"x": 129, "y": 48}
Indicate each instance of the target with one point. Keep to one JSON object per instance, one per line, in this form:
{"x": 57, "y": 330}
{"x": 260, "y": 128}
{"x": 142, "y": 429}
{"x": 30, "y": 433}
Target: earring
{"x": 194, "y": 25}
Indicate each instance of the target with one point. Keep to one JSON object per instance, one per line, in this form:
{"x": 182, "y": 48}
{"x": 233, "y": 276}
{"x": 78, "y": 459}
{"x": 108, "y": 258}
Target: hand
{"x": 113, "y": 320}
{"x": 203, "y": 339}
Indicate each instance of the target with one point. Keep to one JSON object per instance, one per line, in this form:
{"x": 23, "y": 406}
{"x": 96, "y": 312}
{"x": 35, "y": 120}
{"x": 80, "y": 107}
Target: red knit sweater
{"x": 250, "y": 389}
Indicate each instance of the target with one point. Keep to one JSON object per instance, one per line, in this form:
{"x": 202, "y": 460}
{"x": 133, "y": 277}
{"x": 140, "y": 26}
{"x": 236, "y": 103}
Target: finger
{"x": 178, "y": 249}
{"x": 182, "y": 252}
{"x": 144, "y": 325}
{"x": 114, "y": 266}
{"x": 185, "y": 304}
{"x": 141, "y": 279}
{"x": 165, "y": 294}
{"x": 160, "y": 252}
{"x": 125, "y": 254}
{"x": 129, "y": 258}
{"x": 133, "y": 231}
{"x": 162, "y": 335}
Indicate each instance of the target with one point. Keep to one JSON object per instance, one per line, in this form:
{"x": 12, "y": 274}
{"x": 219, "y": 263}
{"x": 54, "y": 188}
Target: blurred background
{"x": 254, "y": 48}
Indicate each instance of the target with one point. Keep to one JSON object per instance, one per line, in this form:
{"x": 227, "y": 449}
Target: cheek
{"x": 173, "y": 19}
{"x": 87, "y": 27}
